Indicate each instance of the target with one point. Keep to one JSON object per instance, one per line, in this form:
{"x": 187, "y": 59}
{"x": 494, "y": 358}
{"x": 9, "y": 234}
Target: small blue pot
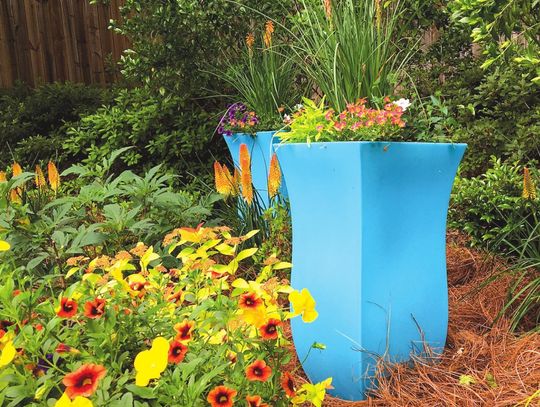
{"x": 260, "y": 148}
{"x": 369, "y": 235}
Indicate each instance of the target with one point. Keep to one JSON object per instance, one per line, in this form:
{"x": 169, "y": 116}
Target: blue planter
{"x": 369, "y": 224}
{"x": 261, "y": 149}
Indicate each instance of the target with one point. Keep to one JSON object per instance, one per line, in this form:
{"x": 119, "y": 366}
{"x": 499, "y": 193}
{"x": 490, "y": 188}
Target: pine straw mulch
{"x": 505, "y": 367}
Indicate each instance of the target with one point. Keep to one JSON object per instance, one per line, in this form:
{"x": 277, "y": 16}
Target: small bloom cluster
{"x": 358, "y": 116}
{"x": 237, "y": 119}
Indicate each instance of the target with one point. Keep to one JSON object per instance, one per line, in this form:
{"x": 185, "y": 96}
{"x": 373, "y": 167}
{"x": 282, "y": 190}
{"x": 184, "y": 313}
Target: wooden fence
{"x": 58, "y": 40}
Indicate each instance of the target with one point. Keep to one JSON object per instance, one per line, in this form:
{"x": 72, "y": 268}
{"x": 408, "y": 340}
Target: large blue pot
{"x": 369, "y": 234}
{"x": 261, "y": 149}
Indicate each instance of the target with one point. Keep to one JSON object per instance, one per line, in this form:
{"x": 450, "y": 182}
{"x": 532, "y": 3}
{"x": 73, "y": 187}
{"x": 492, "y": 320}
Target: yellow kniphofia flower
{"x": 245, "y": 176}
{"x": 54, "y": 176}
{"x": 149, "y": 364}
{"x": 274, "y": 177}
{"x": 529, "y": 189}
{"x": 40, "y": 178}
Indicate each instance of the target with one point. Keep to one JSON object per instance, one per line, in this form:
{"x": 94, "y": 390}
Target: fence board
{"x": 58, "y": 40}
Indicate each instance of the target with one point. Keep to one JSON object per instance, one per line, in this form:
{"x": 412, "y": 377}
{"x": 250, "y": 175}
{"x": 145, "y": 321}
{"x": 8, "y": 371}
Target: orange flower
{"x": 184, "y": 331}
{"x": 255, "y": 401}
{"x": 245, "y": 177}
{"x": 249, "y": 301}
{"x": 221, "y": 396}
{"x": 54, "y": 176}
{"x": 177, "y": 351}
{"x": 84, "y": 381}
{"x": 258, "y": 371}
{"x": 268, "y": 31}
{"x": 40, "y": 178}
{"x": 287, "y": 383}
{"x": 328, "y": 8}
{"x": 94, "y": 309}
{"x": 3, "y": 177}
{"x": 16, "y": 193}
{"x": 250, "y": 41}
{"x": 232, "y": 182}
{"x": 68, "y": 308}
{"x": 274, "y": 177}
{"x": 270, "y": 329}
{"x": 223, "y": 184}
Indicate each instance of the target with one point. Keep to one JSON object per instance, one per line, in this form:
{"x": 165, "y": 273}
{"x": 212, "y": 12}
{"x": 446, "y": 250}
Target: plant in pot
{"x": 368, "y": 203}
{"x": 263, "y": 78}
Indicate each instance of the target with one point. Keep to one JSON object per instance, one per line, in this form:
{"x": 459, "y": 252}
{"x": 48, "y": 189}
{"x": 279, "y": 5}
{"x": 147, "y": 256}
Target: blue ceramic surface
{"x": 261, "y": 150}
{"x": 369, "y": 234}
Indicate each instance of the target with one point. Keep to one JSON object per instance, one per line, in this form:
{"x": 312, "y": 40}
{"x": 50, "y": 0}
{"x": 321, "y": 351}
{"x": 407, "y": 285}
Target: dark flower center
{"x": 84, "y": 381}
{"x": 257, "y": 371}
{"x": 223, "y": 398}
{"x": 68, "y": 307}
{"x": 271, "y": 329}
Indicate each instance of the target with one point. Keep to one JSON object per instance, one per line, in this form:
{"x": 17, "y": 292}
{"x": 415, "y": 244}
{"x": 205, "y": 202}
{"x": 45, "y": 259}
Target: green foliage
{"x": 102, "y": 209}
{"x": 508, "y": 31}
{"x": 174, "y": 42}
{"x": 491, "y": 205}
{"x": 349, "y": 49}
{"x": 263, "y": 76}
{"x": 161, "y": 130}
{"x": 33, "y": 121}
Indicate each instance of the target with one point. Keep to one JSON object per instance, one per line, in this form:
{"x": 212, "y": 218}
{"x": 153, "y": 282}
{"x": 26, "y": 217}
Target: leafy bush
{"x": 33, "y": 121}
{"x": 491, "y": 205}
{"x": 47, "y": 226}
{"x": 161, "y": 130}
{"x": 153, "y": 329}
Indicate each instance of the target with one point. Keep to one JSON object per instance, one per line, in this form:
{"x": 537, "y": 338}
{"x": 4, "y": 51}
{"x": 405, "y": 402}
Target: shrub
{"x": 46, "y": 226}
{"x": 162, "y": 131}
{"x": 491, "y": 205}
{"x": 33, "y": 121}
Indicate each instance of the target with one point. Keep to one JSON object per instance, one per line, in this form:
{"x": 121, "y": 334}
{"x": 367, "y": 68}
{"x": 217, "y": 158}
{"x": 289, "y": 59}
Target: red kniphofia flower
{"x": 68, "y": 308}
{"x": 287, "y": 383}
{"x": 258, "y": 371}
{"x": 249, "y": 301}
{"x": 184, "y": 331}
{"x": 177, "y": 351}
{"x": 84, "y": 381}
{"x": 221, "y": 396}
{"x": 94, "y": 309}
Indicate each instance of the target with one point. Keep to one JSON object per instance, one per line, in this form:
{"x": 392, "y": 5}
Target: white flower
{"x": 403, "y": 103}
{"x": 299, "y": 106}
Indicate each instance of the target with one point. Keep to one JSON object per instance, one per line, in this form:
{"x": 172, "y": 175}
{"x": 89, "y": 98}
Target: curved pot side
{"x": 369, "y": 224}
{"x": 260, "y": 149}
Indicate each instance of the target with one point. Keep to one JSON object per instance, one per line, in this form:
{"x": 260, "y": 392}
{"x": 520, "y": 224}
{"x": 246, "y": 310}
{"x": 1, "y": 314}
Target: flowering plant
{"x": 316, "y": 122}
{"x": 238, "y": 119}
{"x": 180, "y": 327}
{"x": 263, "y": 77}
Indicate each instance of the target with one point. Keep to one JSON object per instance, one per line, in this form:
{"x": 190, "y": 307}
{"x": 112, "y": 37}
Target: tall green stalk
{"x": 349, "y": 48}
{"x": 263, "y": 77}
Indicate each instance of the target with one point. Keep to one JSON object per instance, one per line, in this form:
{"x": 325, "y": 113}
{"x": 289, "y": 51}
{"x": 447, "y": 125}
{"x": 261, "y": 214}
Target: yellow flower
{"x": 4, "y": 246}
{"x": 268, "y": 31}
{"x": 529, "y": 189}
{"x": 54, "y": 177}
{"x": 149, "y": 364}
{"x": 303, "y": 304}
{"x": 313, "y": 393}
{"x": 223, "y": 184}
{"x": 78, "y": 401}
{"x": 3, "y": 177}
{"x": 8, "y": 353}
{"x": 40, "y": 178}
